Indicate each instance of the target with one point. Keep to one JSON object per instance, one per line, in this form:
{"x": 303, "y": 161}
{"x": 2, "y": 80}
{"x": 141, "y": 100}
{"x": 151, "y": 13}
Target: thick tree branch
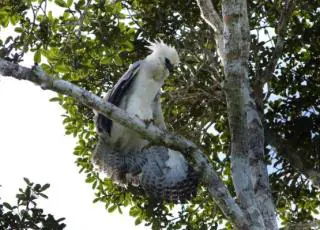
{"x": 259, "y": 171}
{"x": 211, "y": 16}
{"x": 243, "y": 118}
{"x": 209, "y": 177}
{"x": 292, "y": 155}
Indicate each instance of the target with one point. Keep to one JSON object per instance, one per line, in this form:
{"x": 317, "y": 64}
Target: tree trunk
{"x": 236, "y": 53}
{"x": 249, "y": 172}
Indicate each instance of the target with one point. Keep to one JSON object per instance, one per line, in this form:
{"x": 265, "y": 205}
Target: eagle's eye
{"x": 169, "y": 65}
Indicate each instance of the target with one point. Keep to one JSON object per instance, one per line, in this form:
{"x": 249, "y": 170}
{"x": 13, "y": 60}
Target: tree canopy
{"x": 26, "y": 214}
{"x": 92, "y": 43}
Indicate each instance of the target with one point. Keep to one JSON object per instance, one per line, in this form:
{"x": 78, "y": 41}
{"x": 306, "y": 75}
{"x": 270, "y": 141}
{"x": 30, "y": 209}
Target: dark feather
{"x": 104, "y": 124}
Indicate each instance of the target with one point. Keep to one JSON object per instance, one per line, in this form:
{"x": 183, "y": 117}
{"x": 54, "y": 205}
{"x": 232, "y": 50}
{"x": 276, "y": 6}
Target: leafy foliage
{"x": 92, "y": 43}
{"x": 25, "y": 214}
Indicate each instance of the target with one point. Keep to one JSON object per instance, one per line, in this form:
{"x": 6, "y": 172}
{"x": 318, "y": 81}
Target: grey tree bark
{"x": 250, "y": 176}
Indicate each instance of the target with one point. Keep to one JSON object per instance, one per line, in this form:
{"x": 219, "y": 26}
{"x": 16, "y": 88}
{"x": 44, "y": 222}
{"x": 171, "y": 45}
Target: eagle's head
{"x": 167, "y": 55}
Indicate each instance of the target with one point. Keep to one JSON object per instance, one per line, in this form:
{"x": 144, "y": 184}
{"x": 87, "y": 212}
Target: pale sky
{"x": 33, "y": 145}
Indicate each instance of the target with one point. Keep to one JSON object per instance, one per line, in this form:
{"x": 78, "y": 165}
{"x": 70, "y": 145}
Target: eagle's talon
{"x": 148, "y": 122}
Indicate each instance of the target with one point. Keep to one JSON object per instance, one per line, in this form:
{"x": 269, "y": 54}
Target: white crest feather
{"x": 159, "y": 48}
{"x": 158, "y": 45}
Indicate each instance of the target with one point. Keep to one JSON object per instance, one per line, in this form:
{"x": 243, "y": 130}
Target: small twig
{"x": 82, "y": 16}
{"x": 131, "y": 15}
{"x": 44, "y": 10}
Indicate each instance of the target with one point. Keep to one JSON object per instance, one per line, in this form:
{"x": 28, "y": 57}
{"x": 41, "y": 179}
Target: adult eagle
{"x": 125, "y": 156}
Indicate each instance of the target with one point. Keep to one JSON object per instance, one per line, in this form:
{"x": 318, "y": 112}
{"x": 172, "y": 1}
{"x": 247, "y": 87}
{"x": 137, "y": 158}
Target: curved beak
{"x": 169, "y": 66}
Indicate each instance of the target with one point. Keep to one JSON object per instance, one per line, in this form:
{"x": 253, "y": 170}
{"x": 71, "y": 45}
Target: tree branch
{"x": 256, "y": 132}
{"x": 292, "y": 155}
{"x": 247, "y": 146}
{"x": 281, "y": 29}
{"x": 241, "y": 114}
{"x": 258, "y": 167}
{"x": 211, "y": 16}
{"x": 213, "y": 19}
{"x": 209, "y": 177}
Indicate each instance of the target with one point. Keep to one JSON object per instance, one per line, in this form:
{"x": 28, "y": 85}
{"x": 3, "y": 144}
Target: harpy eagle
{"x": 122, "y": 154}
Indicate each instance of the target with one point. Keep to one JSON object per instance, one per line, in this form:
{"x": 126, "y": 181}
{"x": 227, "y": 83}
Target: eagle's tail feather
{"x": 162, "y": 173}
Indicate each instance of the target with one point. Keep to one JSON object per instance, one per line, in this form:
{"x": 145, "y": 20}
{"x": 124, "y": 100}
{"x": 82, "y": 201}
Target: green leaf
{"x": 117, "y": 60}
{"x": 3, "y": 13}
{"x": 55, "y": 99}
{"x": 96, "y": 200}
{"x": 60, "y": 3}
{"x": 5, "y": 21}
{"x": 45, "y": 67}
{"x": 138, "y": 221}
{"x": 51, "y": 54}
{"x": 27, "y": 181}
{"x": 7, "y": 205}
{"x": 43, "y": 195}
{"x": 117, "y": 6}
{"x": 45, "y": 187}
{"x": 105, "y": 60}
{"x": 79, "y": 5}
{"x": 37, "y": 187}
{"x": 134, "y": 211}
{"x": 50, "y": 17}
{"x": 66, "y": 15}
{"x": 69, "y": 3}
{"x": 37, "y": 56}
{"x": 94, "y": 185}
{"x": 90, "y": 179}
{"x": 128, "y": 45}
{"x": 119, "y": 210}
{"x": 18, "y": 29}
{"x": 112, "y": 208}
{"x": 62, "y": 68}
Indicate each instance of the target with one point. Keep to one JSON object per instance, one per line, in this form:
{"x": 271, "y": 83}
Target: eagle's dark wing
{"x": 103, "y": 123}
